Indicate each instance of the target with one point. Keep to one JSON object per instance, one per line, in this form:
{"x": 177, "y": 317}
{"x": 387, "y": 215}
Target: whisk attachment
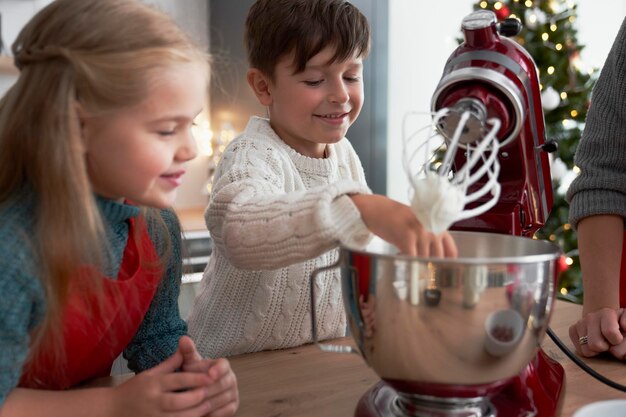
{"x": 441, "y": 190}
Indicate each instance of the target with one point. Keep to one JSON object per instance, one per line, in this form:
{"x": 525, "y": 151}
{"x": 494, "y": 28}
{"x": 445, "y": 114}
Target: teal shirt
{"x": 22, "y": 303}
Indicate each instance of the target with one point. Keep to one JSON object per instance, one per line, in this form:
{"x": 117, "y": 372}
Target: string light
{"x": 577, "y": 63}
{"x": 564, "y": 291}
{"x": 572, "y": 19}
{"x": 552, "y": 237}
{"x": 567, "y": 226}
{"x": 216, "y": 146}
{"x": 513, "y": 16}
{"x": 553, "y": 27}
{"x": 201, "y": 131}
{"x": 558, "y": 46}
{"x": 550, "y": 70}
{"x": 484, "y": 4}
{"x": 563, "y": 95}
{"x": 573, "y": 113}
{"x": 544, "y": 36}
{"x": 497, "y": 5}
{"x": 576, "y": 169}
{"x": 528, "y": 3}
{"x": 226, "y": 135}
{"x": 569, "y": 261}
{"x": 554, "y": 5}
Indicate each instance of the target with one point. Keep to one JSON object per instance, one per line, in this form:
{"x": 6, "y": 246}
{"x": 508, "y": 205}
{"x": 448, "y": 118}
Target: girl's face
{"x": 317, "y": 106}
{"x": 139, "y": 152}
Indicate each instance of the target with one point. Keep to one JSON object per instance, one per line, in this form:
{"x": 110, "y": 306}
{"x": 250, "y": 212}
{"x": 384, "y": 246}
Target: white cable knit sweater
{"x": 274, "y": 217}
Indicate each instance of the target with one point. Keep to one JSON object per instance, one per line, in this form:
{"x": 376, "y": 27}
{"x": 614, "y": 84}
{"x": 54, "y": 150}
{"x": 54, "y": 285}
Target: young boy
{"x": 291, "y": 188}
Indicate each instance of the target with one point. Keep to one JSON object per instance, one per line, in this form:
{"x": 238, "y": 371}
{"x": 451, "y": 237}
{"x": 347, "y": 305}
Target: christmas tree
{"x": 549, "y": 35}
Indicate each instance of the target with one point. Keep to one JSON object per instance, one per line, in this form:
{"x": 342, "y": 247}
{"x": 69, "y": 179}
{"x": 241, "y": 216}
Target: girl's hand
{"x": 161, "y": 391}
{"x": 396, "y": 223}
{"x": 222, "y": 391}
{"x": 600, "y": 331}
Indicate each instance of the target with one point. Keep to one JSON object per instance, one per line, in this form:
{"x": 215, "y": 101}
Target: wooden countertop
{"x": 580, "y": 387}
{"x": 306, "y": 382}
{"x": 302, "y": 382}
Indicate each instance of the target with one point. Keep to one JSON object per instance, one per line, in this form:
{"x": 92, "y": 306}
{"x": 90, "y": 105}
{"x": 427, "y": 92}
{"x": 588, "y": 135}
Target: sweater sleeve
{"x": 21, "y": 309}
{"x": 261, "y": 221}
{"x": 162, "y": 327}
{"x": 601, "y": 154}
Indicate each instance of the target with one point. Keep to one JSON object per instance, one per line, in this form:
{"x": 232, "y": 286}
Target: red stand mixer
{"x": 460, "y": 337}
{"x": 491, "y": 76}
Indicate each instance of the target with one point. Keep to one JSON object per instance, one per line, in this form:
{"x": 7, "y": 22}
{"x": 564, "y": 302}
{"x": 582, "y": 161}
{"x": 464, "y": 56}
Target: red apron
{"x": 94, "y": 337}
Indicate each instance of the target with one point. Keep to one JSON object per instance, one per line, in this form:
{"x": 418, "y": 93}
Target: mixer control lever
{"x": 550, "y": 146}
{"x": 509, "y": 27}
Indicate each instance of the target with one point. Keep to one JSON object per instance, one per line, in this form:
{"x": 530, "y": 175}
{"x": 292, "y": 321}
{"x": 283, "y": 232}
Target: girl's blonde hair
{"x": 105, "y": 55}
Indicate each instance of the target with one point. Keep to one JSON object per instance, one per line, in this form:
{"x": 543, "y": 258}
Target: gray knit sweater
{"x": 601, "y": 155}
{"x": 22, "y": 305}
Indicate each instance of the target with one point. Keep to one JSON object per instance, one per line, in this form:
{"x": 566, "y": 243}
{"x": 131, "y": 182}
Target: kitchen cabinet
{"x": 197, "y": 247}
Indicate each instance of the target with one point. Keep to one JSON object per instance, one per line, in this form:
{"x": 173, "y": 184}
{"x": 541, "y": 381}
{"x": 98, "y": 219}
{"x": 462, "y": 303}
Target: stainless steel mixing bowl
{"x": 474, "y": 320}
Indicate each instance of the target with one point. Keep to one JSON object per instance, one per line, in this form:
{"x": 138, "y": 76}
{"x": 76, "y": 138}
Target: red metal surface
{"x": 536, "y": 391}
{"x": 523, "y": 209}
{"x": 622, "y": 282}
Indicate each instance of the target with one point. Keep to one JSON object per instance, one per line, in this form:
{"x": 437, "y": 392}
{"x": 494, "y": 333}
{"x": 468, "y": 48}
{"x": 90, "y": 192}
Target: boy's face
{"x": 140, "y": 152}
{"x": 317, "y": 106}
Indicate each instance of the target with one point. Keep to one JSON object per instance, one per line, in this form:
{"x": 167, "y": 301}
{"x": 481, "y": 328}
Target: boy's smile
{"x": 317, "y": 106}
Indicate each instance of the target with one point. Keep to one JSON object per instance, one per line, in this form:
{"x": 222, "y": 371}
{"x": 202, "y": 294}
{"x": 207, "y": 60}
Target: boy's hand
{"x": 222, "y": 391}
{"x": 396, "y": 223}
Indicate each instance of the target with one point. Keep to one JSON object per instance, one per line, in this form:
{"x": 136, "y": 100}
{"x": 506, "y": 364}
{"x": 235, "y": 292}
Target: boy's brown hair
{"x": 277, "y": 27}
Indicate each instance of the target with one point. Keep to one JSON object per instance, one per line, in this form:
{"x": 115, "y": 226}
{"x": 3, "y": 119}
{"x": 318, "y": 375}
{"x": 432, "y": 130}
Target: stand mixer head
{"x": 491, "y": 77}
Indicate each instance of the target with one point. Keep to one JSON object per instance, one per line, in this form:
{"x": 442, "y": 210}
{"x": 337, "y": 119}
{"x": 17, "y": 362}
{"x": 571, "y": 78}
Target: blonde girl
{"x": 94, "y": 137}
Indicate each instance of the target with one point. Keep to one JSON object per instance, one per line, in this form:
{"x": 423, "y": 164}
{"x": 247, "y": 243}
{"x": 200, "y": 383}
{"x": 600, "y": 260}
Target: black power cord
{"x": 582, "y": 364}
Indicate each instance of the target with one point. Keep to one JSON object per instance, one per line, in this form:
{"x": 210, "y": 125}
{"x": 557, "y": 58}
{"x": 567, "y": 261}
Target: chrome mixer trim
{"x": 527, "y": 250}
{"x": 416, "y": 405}
{"x": 479, "y": 19}
{"x": 447, "y": 342}
{"x": 474, "y": 126}
{"x": 515, "y": 68}
{"x": 492, "y": 77}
